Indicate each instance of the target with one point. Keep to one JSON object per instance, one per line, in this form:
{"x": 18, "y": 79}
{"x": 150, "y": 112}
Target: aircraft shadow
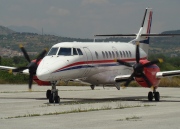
{"x": 142, "y": 99}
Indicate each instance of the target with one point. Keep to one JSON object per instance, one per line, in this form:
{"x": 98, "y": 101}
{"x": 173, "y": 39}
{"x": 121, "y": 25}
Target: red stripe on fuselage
{"x": 97, "y": 61}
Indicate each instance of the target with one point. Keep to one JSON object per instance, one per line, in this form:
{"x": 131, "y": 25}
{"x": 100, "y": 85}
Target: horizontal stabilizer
{"x": 134, "y": 35}
{"x": 116, "y": 35}
{"x": 159, "y": 35}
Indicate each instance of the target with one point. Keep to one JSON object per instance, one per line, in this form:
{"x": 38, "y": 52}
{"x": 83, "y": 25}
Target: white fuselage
{"x": 96, "y": 64}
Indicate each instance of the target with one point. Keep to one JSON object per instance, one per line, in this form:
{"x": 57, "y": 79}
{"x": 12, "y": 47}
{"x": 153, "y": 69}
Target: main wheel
{"x": 48, "y": 94}
{"x": 92, "y": 87}
{"x": 57, "y": 99}
{"x": 150, "y": 96}
{"x": 157, "y": 96}
{"x": 51, "y": 99}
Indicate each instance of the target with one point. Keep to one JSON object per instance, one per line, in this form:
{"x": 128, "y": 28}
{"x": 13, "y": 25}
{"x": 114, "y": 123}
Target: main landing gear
{"x": 52, "y": 94}
{"x": 154, "y": 95}
{"x": 92, "y": 87}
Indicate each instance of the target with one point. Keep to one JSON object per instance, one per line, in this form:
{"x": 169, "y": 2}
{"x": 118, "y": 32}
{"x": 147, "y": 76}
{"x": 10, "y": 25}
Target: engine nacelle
{"x": 150, "y": 73}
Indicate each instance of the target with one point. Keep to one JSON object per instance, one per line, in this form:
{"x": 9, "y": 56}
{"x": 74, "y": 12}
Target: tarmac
{"x": 83, "y": 108}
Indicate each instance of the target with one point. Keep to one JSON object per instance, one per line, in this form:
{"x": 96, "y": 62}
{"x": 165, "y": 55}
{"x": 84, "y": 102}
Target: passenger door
{"x": 89, "y": 60}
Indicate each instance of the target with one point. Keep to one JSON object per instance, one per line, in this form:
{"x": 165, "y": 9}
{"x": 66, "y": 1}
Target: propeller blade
{"x": 30, "y": 81}
{"x": 147, "y": 80}
{"x": 41, "y": 55}
{"x": 153, "y": 62}
{"x": 124, "y": 63}
{"x": 24, "y": 53}
{"x": 20, "y": 69}
{"x": 137, "y": 52}
{"x": 129, "y": 79}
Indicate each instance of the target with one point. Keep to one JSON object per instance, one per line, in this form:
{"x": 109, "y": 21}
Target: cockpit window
{"x": 53, "y": 51}
{"x": 64, "y": 51}
{"x": 74, "y": 51}
{"x": 79, "y": 51}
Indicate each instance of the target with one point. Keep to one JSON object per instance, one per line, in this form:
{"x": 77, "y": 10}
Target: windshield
{"x": 53, "y": 51}
{"x": 65, "y": 51}
{"x": 79, "y": 51}
{"x": 74, "y": 51}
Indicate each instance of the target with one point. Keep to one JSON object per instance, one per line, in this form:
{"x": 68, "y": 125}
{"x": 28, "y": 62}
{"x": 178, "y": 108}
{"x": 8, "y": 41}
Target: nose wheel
{"x": 52, "y": 94}
{"x": 48, "y": 94}
{"x": 54, "y": 98}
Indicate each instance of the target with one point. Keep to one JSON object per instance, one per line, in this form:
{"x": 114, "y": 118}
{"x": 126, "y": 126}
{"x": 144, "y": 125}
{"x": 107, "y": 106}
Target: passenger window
{"x": 106, "y": 54}
{"x": 130, "y": 54}
{"x": 117, "y": 54}
{"x": 110, "y": 54}
{"x": 96, "y": 55}
{"x": 120, "y": 53}
{"x": 103, "y": 54}
{"x": 74, "y": 51}
{"x": 65, "y": 51}
{"x": 113, "y": 54}
{"x": 124, "y": 54}
{"x": 79, "y": 51}
{"x": 127, "y": 54}
{"x": 53, "y": 51}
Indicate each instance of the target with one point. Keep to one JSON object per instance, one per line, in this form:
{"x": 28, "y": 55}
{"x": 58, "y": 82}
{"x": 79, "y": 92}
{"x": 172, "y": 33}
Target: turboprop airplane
{"x": 99, "y": 63}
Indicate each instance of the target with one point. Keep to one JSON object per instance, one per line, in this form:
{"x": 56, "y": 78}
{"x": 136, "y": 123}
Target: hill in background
{"x": 35, "y": 42}
{"x": 5, "y": 30}
{"x": 22, "y": 29}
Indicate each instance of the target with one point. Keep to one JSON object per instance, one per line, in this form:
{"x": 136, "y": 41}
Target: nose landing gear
{"x": 52, "y": 94}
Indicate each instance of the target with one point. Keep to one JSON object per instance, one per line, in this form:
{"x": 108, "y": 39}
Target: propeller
{"x": 138, "y": 67}
{"x": 32, "y": 66}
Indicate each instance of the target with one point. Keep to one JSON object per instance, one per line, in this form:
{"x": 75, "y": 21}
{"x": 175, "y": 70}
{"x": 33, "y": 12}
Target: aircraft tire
{"x": 150, "y": 96}
{"x": 92, "y": 87}
{"x": 48, "y": 94}
{"x": 57, "y": 99}
{"x": 157, "y": 96}
{"x": 51, "y": 100}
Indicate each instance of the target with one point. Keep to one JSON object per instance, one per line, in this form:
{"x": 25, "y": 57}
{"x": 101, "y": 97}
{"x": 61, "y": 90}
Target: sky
{"x": 85, "y": 18}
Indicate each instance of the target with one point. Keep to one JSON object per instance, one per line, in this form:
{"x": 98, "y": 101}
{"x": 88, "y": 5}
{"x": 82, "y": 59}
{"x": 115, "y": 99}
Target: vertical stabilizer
{"x": 145, "y": 29}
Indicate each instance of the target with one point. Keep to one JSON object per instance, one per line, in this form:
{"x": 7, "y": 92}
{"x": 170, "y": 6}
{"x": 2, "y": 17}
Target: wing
{"x": 7, "y": 68}
{"x": 123, "y": 78}
{"x": 168, "y": 74}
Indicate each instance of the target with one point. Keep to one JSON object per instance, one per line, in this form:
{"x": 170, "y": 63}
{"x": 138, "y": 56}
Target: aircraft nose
{"x": 43, "y": 74}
